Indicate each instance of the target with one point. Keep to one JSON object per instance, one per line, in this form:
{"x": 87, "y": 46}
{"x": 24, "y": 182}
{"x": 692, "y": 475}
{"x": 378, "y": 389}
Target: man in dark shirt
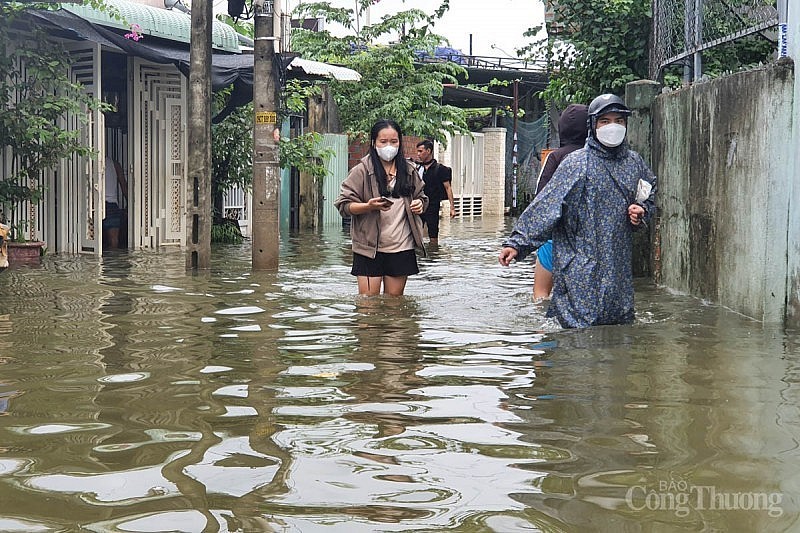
{"x": 437, "y": 178}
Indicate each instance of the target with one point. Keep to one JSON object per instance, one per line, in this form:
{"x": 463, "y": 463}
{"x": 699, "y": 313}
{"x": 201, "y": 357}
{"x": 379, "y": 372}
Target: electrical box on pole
{"x": 198, "y": 165}
{"x": 266, "y": 132}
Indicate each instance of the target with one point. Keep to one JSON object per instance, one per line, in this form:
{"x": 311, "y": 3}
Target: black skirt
{"x": 394, "y": 264}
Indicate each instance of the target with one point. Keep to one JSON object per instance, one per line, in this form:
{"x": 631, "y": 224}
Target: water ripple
{"x": 136, "y": 396}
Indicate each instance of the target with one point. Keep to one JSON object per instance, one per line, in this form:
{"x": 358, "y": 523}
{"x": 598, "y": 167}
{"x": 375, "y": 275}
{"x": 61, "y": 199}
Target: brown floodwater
{"x": 137, "y": 397}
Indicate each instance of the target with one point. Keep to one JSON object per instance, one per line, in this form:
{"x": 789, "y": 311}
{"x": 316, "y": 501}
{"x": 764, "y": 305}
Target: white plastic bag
{"x": 643, "y": 191}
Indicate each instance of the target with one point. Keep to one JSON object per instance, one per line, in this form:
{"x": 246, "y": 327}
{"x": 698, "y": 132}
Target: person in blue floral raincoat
{"x": 597, "y": 197}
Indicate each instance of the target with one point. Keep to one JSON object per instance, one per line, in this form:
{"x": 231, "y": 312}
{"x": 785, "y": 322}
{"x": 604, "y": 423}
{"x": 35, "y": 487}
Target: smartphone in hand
{"x": 386, "y": 201}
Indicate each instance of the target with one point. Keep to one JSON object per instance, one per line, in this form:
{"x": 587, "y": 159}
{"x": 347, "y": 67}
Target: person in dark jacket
{"x": 597, "y": 197}
{"x": 437, "y": 178}
{"x": 572, "y": 132}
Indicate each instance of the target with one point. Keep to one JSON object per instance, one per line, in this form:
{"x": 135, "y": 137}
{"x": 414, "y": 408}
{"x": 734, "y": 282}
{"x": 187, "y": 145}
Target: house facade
{"x": 145, "y": 134}
{"x": 143, "y": 74}
{"x": 145, "y": 137}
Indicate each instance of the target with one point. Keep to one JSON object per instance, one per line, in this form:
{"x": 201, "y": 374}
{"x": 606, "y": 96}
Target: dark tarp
{"x": 466, "y": 97}
{"x": 226, "y": 69}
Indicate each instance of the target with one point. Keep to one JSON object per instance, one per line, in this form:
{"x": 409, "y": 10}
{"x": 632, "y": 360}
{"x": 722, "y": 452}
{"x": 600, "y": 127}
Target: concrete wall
{"x": 494, "y": 171}
{"x": 723, "y": 154}
{"x": 639, "y": 97}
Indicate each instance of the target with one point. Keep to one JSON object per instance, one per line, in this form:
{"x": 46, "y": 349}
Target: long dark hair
{"x": 402, "y": 184}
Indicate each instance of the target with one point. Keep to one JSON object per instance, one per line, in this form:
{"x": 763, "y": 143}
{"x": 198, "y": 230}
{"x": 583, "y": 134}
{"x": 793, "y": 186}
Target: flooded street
{"x": 135, "y": 397}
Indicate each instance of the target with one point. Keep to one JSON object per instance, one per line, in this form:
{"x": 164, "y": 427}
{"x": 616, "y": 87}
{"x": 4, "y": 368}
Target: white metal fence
{"x": 236, "y": 206}
{"x": 466, "y": 160}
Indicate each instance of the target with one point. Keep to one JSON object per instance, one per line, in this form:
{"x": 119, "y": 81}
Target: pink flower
{"x": 135, "y": 33}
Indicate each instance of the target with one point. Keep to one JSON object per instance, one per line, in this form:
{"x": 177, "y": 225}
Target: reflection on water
{"x": 135, "y": 397}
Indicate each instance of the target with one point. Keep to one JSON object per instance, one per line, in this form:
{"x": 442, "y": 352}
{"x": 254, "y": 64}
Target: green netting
{"x": 531, "y": 138}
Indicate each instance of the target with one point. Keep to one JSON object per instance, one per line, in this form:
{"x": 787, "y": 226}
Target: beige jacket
{"x": 361, "y": 185}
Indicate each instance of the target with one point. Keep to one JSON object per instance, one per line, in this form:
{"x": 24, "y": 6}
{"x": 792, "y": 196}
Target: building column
{"x": 494, "y": 171}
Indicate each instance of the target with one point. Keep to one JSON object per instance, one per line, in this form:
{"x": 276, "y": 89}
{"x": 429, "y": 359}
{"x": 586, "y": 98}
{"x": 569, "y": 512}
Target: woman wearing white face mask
{"x": 383, "y": 196}
{"x": 590, "y": 208}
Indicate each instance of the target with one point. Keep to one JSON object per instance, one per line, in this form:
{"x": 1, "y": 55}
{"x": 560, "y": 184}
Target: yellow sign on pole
{"x": 266, "y": 117}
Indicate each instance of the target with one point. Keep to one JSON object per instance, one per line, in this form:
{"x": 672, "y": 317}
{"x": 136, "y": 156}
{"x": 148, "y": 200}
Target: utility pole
{"x": 198, "y": 164}
{"x": 698, "y": 39}
{"x": 783, "y": 28}
{"x": 514, "y": 151}
{"x": 266, "y": 163}
{"x": 693, "y": 37}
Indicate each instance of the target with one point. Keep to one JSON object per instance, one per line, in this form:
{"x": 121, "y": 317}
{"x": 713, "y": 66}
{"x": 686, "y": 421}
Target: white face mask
{"x": 611, "y": 135}
{"x": 387, "y": 152}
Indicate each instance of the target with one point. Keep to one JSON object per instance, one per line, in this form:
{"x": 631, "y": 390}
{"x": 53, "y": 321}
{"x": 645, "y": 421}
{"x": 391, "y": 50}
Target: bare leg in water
{"x": 392, "y": 285}
{"x": 542, "y": 282}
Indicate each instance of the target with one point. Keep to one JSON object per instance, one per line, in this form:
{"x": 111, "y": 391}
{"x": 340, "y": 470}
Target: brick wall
{"x": 359, "y": 149}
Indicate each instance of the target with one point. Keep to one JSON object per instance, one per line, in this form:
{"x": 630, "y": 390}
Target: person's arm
{"x": 535, "y": 225}
{"x": 123, "y": 183}
{"x": 447, "y": 179}
{"x": 521, "y": 242}
{"x": 418, "y": 207}
{"x": 449, "y": 190}
{"x": 349, "y": 202}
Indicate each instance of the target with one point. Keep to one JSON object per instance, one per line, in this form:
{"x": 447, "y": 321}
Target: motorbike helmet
{"x": 606, "y": 103}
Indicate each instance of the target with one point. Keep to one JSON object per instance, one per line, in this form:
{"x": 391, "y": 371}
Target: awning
{"x": 323, "y": 70}
{"x": 467, "y": 98}
{"x": 226, "y": 69}
{"x": 155, "y": 22}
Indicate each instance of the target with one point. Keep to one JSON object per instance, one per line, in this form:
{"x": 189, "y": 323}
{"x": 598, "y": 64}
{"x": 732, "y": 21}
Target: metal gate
{"x": 72, "y": 212}
{"x": 157, "y": 112}
{"x": 69, "y": 216}
{"x": 467, "y": 164}
{"x": 336, "y": 166}
{"x": 236, "y": 203}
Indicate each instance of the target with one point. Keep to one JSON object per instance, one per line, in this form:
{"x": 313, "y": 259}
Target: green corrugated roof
{"x": 164, "y": 23}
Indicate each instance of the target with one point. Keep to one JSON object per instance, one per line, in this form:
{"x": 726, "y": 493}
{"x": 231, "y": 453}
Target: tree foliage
{"x": 604, "y": 45}
{"x": 303, "y": 152}
{"x": 232, "y": 142}
{"x": 395, "y": 82}
{"x": 36, "y": 93}
{"x": 232, "y": 150}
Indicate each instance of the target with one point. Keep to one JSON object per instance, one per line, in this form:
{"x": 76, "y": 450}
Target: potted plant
{"x": 19, "y": 249}
{"x": 36, "y": 93}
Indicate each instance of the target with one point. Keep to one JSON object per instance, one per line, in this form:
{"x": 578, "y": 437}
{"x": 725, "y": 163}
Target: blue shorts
{"x": 545, "y": 255}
